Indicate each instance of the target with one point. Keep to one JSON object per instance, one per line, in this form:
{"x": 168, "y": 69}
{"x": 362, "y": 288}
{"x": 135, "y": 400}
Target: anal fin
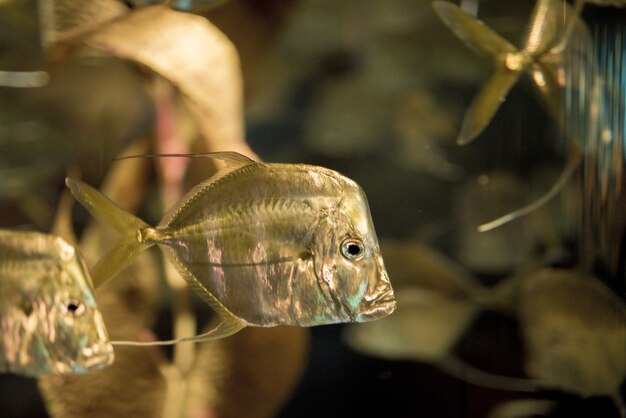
{"x": 225, "y": 328}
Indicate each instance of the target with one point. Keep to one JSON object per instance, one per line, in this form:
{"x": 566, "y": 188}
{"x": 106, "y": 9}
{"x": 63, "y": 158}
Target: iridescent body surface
{"x": 265, "y": 244}
{"x": 49, "y": 321}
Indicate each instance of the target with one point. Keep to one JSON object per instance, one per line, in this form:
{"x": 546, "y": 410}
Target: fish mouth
{"x": 377, "y": 307}
{"x": 95, "y": 357}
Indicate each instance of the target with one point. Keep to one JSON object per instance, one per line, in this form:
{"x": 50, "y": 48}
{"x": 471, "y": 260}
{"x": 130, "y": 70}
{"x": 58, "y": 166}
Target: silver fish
{"x": 49, "y": 321}
{"x": 264, "y": 244}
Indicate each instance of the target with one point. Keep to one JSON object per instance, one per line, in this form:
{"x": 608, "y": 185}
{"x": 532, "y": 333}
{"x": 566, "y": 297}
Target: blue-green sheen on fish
{"x": 265, "y": 244}
{"x": 49, "y": 320}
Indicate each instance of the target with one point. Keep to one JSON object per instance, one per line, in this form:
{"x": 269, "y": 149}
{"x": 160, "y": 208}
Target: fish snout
{"x": 379, "y": 301}
{"x": 96, "y": 356}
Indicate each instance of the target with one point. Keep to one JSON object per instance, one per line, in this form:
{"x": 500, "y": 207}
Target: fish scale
{"x": 280, "y": 221}
{"x": 252, "y": 182}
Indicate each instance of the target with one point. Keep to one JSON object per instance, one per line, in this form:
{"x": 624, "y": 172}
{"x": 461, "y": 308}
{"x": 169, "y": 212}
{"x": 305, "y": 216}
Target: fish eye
{"x": 352, "y": 249}
{"x": 75, "y": 308}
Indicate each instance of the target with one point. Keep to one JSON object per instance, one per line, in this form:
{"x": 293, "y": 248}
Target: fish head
{"x": 348, "y": 263}
{"x": 70, "y": 332}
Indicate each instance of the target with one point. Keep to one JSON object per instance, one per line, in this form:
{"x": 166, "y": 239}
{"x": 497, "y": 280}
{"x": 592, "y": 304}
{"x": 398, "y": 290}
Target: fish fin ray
{"x": 466, "y": 372}
{"x": 103, "y": 209}
{"x": 122, "y": 255}
{"x": 231, "y": 158}
{"x": 568, "y": 171}
{"x": 232, "y": 164}
{"x": 486, "y": 103}
{"x": 224, "y": 329}
{"x": 472, "y": 31}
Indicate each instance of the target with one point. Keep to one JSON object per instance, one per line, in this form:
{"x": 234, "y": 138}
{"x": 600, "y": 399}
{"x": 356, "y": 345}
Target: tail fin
{"x": 103, "y": 209}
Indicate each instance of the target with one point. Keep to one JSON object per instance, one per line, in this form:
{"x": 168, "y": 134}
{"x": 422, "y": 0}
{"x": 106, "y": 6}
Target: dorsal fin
{"x": 233, "y": 160}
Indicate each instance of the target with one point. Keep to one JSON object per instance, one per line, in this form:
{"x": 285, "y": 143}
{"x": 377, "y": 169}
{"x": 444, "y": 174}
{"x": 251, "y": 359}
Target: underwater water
{"x": 379, "y": 91}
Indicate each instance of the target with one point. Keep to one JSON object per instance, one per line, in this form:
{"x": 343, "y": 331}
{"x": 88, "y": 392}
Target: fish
{"x": 542, "y": 56}
{"x": 263, "y": 244}
{"x": 574, "y": 329}
{"x": 49, "y": 319}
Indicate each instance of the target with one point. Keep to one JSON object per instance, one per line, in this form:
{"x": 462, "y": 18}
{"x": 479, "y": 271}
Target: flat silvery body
{"x": 280, "y": 244}
{"x": 49, "y": 321}
{"x": 264, "y": 244}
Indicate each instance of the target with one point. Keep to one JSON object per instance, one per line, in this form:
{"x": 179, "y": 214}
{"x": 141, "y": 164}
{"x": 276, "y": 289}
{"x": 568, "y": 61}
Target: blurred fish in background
{"x": 574, "y": 329}
{"x": 49, "y": 318}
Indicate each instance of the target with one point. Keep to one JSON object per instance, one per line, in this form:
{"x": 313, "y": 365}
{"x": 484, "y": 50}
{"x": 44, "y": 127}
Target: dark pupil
{"x": 354, "y": 249}
{"x": 72, "y": 307}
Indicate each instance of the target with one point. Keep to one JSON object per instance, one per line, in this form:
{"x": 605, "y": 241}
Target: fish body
{"x": 49, "y": 320}
{"x": 575, "y": 332}
{"x": 265, "y": 244}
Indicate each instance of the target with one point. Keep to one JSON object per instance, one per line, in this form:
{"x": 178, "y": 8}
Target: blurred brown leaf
{"x": 62, "y": 20}
{"x": 195, "y": 57}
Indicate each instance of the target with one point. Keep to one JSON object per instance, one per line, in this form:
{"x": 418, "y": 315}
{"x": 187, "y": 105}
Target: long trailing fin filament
{"x": 570, "y": 168}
